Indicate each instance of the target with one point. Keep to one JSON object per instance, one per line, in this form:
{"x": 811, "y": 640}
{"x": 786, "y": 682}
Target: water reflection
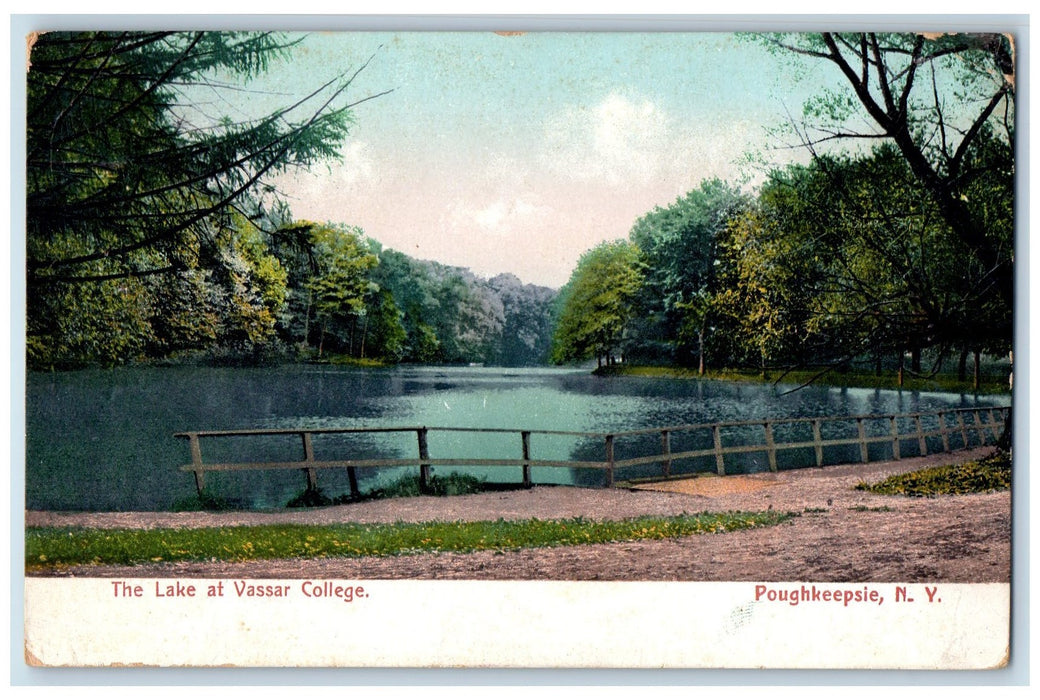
{"x": 102, "y": 440}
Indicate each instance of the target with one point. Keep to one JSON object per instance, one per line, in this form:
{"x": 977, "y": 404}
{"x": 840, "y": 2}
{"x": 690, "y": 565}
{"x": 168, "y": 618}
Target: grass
{"x": 58, "y": 547}
{"x": 991, "y": 473}
{"x": 350, "y": 361}
{"x": 867, "y": 380}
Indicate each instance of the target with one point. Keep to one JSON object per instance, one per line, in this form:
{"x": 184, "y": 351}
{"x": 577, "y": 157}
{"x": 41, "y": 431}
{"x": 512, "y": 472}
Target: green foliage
{"x": 337, "y": 286}
{"x": 678, "y": 256}
{"x": 141, "y": 207}
{"x": 597, "y": 304}
{"x": 942, "y": 100}
{"x": 450, "y": 315}
{"x": 992, "y": 473}
{"x": 453, "y": 484}
{"x": 251, "y": 287}
{"x": 527, "y": 322}
{"x": 57, "y": 547}
{"x": 119, "y": 160}
{"x": 386, "y": 336}
{"x": 105, "y": 324}
{"x": 850, "y": 256}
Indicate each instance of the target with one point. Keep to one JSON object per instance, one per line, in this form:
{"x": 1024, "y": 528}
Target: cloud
{"x": 619, "y": 140}
{"x": 502, "y": 216}
{"x": 357, "y": 165}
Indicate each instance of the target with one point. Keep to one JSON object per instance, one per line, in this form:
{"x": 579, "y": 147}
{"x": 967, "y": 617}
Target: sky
{"x": 518, "y": 152}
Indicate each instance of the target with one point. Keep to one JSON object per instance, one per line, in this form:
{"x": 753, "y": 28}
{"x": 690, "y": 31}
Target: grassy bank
{"x": 867, "y": 380}
{"x": 992, "y": 473}
{"x": 57, "y": 547}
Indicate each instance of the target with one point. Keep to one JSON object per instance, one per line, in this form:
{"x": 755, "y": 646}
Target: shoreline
{"x": 840, "y": 534}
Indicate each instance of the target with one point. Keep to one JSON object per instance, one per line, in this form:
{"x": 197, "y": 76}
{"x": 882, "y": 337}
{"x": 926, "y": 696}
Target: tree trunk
{"x": 915, "y": 360}
{"x": 307, "y": 321}
{"x": 976, "y": 375}
{"x": 902, "y": 360}
{"x": 962, "y": 366}
{"x": 700, "y": 352}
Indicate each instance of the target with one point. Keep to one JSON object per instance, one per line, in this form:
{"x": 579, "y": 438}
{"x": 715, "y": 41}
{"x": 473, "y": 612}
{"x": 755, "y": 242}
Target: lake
{"x": 103, "y": 439}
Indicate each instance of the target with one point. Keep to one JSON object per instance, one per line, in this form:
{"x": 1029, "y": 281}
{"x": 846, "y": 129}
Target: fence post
{"x": 895, "y": 438}
{"x": 944, "y": 432}
{"x": 610, "y": 460}
{"x": 424, "y": 462}
{"x": 308, "y": 456}
{"x": 964, "y": 430}
{"x": 196, "y": 461}
{"x": 922, "y": 444}
{"x": 817, "y": 441}
{"x": 863, "y": 454}
{"x": 720, "y": 464}
{"x": 525, "y": 439}
{"x": 770, "y": 446}
{"x": 666, "y": 450}
{"x": 993, "y": 425}
{"x": 979, "y": 428}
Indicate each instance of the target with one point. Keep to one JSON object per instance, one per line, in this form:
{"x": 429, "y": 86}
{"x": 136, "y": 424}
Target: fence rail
{"x": 957, "y": 429}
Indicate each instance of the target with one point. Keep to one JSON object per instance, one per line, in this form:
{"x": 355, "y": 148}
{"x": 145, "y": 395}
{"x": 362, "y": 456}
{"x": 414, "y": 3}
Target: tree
{"x": 130, "y": 178}
{"x": 678, "y": 247}
{"x": 250, "y": 287}
{"x": 937, "y": 98}
{"x": 848, "y": 257}
{"x": 527, "y": 327}
{"x": 385, "y": 335}
{"x": 119, "y": 160}
{"x": 338, "y": 285}
{"x": 597, "y": 304}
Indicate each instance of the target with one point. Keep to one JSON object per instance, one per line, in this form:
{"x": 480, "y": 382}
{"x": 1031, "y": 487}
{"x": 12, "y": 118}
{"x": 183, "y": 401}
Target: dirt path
{"x": 840, "y": 534}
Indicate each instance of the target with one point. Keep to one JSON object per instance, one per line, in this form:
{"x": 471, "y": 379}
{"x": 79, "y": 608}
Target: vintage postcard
{"x": 520, "y": 348}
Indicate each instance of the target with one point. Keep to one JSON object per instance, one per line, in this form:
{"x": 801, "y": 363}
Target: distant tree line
{"x": 308, "y": 292}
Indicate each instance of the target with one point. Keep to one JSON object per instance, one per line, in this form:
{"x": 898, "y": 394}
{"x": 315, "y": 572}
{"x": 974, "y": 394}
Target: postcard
{"x": 520, "y": 347}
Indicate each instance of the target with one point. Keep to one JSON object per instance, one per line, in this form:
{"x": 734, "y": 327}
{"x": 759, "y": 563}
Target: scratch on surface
{"x": 739, "y": 617}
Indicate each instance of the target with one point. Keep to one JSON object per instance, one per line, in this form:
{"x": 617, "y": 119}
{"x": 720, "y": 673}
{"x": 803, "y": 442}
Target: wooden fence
{"x": 952, "y": 429}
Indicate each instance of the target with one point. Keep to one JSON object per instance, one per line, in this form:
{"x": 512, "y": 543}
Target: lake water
{"x": 103, "y": 440}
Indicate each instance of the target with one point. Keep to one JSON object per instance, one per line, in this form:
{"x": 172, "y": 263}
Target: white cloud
{"x": 502, "y": 216}
{"x": 357, "y": 165}
{"x": 618, "y": 140}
